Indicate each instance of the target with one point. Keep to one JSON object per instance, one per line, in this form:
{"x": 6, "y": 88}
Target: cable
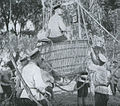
{"x": 98, "y": 23}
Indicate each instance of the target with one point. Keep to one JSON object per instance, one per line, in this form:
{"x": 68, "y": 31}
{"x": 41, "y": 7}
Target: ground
{"x": 67, "y": 99}
{"x": 62, "y": 98}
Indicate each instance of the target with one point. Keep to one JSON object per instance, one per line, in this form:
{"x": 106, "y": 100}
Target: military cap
{"x": 25, "y": 57}
{"x": 34, "y": 53}
{"x": 57, "y": 5}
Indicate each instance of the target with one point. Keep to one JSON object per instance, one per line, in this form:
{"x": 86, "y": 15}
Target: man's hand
{"x": 49, "y": 92}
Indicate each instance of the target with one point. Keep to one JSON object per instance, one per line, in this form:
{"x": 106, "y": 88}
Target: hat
{"x": 102, "y": 57}
{"x": 57, "y": 5}
{"x": 24, "y": 57}
{"x": 115, "y": 61}
{"x": 34, "y": 53}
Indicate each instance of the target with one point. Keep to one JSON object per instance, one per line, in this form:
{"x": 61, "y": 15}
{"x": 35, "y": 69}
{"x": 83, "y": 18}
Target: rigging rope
{"x": 71, "y": 90}
{"x": 98, "y": 23}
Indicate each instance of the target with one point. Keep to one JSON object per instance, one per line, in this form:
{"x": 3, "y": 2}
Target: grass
{"x": 67, "y": 99}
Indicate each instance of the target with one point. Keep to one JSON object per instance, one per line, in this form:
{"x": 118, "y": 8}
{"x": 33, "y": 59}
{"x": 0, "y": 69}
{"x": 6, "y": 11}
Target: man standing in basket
{"x": 56, "y": 26}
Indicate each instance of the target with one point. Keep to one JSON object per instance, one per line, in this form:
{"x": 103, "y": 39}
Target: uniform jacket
{"x": 56, "y": 26}
{"x": 32, "y": 75}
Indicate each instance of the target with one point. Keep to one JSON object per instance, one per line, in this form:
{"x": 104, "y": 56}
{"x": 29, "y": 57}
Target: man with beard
{"x": 32, "y": 75}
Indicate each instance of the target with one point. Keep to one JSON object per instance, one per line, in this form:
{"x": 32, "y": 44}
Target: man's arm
{"x": 39, "y": 83}
{"x": 62, "y": 25}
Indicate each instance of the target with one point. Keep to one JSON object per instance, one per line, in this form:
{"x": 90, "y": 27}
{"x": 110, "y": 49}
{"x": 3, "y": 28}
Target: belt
{"x": 37, "y": 90}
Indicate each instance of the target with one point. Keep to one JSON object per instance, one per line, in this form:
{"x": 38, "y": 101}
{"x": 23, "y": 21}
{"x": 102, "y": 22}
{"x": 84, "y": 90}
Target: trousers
{"x": 28, "y": 102}
{"x": 101, "y": 99}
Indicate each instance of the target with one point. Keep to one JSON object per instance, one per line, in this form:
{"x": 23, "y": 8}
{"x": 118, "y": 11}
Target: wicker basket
{"x": 66, "y": 57}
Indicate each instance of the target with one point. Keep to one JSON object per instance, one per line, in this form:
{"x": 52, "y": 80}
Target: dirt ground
{"x": 67, "y": 99}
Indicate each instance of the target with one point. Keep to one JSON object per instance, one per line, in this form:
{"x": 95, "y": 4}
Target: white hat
{"x": 57, "y": 5}
{"x": 102, "y": 57}
{"x": 24, "y": 57}
{"x": 34, "y": 52}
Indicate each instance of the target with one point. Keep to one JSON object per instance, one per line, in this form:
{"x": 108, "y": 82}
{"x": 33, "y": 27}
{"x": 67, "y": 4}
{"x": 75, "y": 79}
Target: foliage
{"x": 20, "y": 12}
{"x": 23, "y": 10}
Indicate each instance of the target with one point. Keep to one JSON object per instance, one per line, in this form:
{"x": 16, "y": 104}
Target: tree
{"x": 20, "y": 12}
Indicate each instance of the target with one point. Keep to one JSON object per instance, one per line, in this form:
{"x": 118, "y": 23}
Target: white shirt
{"x": 31, "y": 74}
{"x": 100, "y": 76}
{"x": 56, "y": 25}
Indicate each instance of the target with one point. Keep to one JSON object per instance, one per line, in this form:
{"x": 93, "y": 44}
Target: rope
{"x": 98, "y": 23}
{"x": 71, "y": 81}
{"x": 113, "y": 74}
{"x": 70, "y": 90}
{"x": 85, "y": 26}
{"x": 68, "y": 82}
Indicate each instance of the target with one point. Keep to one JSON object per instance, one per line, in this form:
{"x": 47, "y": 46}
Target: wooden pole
{"x": 43, "y": 10}
{"x": 98, "y": 23}
{"x": 51, "y": 7}
{"x": 79, "y": 23}
{"x": 84, "y": 24}
{"x": 10, "y": 10}
{"x": 18, "y": 72}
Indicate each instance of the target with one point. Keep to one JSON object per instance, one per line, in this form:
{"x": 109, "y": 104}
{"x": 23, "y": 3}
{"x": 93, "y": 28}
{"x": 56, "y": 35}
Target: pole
{"x": 51, "y": 7}
{"x": 98, "y": 23}
{"x": 43, "y": 10}
{"x": 10, "y": 10}
{"x": 85, "y": 25}
{"x": 18, "y": 72}
{"x": 23, "y": 82}
{"x": 79, "y": 23}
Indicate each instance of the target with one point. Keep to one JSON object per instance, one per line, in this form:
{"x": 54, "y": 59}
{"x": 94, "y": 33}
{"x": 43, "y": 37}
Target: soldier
{"x": 32, "y": 75}
{"x": 23, "y": 62}
{"x": 100, "y": 78}
{"x": 82, "y": 85}
{"x": 56, "y": 26}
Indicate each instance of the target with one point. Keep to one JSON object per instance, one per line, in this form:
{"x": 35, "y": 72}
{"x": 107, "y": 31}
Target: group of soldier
{"x": 41, "y": 82}
{"x": 32, "y": 70}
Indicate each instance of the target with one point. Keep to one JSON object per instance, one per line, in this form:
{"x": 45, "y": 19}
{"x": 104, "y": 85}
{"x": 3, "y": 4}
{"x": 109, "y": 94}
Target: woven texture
{"x": 66, "y": 57}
